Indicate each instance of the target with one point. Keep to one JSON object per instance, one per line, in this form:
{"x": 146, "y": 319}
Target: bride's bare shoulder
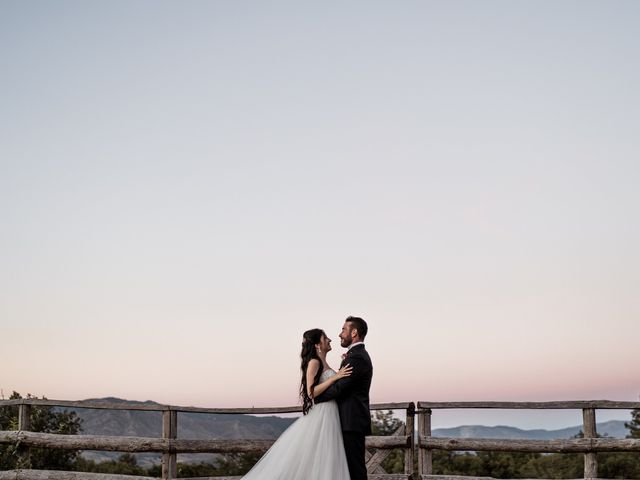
{"x": 314, "y": 364}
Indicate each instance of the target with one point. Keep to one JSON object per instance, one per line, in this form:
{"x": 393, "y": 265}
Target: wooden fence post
{"x": 169, "y": 431}
{"x": 589, "y": 430}
{"x": 410, "y": 430}
{"x": 24, "y": 424}
{"x": 425, "y": 457}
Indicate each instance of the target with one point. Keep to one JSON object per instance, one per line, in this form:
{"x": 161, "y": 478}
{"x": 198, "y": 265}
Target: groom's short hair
{"x": 360, "y": 325}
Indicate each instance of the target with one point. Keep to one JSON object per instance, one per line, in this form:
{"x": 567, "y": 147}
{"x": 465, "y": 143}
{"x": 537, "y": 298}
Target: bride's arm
{"x": 346, "y": 385}
{"x": 312, "y": 370}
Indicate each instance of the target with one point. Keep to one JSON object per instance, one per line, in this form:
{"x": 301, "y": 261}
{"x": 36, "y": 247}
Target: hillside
{"x": 190, "y": 425}
{"x": 612, "y": 428}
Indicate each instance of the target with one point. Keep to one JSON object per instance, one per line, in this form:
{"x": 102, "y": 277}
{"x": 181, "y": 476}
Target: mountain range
{"x": 611, "y": 428}
{"x": 190, "y": 425}
{"x": 235, "y": 426}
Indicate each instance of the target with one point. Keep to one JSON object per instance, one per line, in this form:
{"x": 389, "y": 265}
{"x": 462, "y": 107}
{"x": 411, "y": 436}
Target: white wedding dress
{"x": 310, "y": 449}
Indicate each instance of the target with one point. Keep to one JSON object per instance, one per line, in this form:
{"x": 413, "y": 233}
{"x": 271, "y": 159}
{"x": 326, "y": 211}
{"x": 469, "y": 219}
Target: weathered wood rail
{"x": 169, "y": 445}
{"x": 404, "y": 438}
{"x": 589, "y": 445}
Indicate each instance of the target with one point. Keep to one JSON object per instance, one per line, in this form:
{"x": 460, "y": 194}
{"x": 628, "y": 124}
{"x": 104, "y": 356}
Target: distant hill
{"x": 190, "y": 425}
{"x": 205, "y": 425}
{"x": 612, "y": 428}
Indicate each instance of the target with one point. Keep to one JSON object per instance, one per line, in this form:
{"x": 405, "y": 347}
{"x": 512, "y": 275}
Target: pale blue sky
{"x": 217, "y": 177}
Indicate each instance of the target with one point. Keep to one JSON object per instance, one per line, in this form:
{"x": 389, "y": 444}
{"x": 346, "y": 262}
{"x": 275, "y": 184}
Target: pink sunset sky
{"x": 186, "y": 187}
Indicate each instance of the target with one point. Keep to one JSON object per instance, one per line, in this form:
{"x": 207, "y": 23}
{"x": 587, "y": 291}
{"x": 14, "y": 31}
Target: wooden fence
{"x": 589, "y": 445}
{"x": 404, "y": 438}
{"x": 169, "y": 445}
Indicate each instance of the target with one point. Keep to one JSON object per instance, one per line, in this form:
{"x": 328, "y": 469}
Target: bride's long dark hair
{"x": 310, "y": 339}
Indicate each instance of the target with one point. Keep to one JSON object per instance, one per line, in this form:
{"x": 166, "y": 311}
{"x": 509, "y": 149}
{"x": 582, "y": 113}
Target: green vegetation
{"x": 384, "y": 423}
{"x": 126, "y": 465}
{"x": 534, "y": 465}
{"x": 489, "y": 464}
{"x": 46, "y": 420}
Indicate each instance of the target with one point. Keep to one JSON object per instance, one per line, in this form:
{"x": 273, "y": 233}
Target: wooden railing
{"x": 589, "y": 444}
{"x": 404, "y": 438}
{"x": 169, "y": 445}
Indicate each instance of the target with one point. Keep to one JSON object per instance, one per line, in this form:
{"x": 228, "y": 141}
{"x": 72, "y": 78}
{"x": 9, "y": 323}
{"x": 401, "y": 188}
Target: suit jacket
{"x": 352, "y": 392}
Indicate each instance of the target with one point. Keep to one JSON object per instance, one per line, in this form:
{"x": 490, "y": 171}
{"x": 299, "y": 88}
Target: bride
{"x": 312, "y": 447}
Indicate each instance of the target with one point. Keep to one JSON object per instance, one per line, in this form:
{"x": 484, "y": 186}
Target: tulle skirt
{"x": 310, "y": 449}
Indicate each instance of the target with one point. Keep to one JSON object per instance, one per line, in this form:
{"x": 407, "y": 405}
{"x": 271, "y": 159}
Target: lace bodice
{"x": 328, "y": 373}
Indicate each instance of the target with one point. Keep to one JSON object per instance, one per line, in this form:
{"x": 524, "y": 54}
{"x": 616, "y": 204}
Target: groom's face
{"x": 345, "y": 335}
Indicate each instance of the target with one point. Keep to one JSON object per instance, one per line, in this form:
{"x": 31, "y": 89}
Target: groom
{"x": 352, "y": 395}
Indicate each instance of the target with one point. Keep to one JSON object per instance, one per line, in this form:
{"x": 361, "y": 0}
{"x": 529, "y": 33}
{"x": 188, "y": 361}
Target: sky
{"x": 186, "y": 187}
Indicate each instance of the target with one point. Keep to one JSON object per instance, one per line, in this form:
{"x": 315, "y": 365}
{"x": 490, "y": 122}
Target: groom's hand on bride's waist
{"x": 345, "y": 384}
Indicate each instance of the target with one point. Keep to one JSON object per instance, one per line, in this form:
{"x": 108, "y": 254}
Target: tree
{"x": 232, "y": 464}
{"x": 126, "y": 464}
{"x": 384, "y": 423}
{"x": 236, "y": 464}
{"x": 45, "y": 420}
{"x": 634, "y": 424}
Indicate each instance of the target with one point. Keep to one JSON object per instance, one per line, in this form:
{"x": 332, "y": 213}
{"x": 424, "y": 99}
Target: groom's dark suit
{"x": 352, "y": 395}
